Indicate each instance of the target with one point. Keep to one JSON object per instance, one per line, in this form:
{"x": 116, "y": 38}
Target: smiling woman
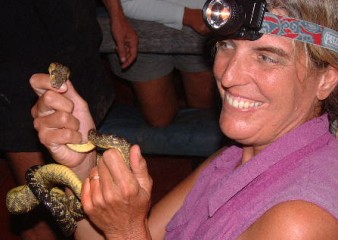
{"x": 271, "y": 75}
{"x": 279, "y": 179}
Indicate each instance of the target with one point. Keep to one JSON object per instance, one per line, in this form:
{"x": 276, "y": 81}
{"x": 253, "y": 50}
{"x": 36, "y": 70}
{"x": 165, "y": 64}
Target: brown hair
{"x": 324, "y": 13}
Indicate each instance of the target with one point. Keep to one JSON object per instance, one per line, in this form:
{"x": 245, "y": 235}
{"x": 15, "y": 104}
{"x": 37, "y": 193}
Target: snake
{"x": 45, "y": 184}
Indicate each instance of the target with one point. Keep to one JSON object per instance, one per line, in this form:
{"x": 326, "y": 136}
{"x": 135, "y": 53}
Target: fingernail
{"x": 63, "y": 87}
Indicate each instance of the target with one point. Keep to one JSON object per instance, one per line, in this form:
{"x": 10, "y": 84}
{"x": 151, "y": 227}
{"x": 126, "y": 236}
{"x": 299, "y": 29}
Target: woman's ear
{"x": 328, "y": 82}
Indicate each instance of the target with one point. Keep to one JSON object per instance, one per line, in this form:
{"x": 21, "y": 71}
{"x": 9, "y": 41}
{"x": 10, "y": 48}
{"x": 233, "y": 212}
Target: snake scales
{"x": 45, "y": 184}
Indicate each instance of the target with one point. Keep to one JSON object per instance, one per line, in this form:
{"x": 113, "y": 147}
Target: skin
{"x": 199, "y": 90}
{"x": 296, "y": 220}
{"x": 193, "y": 18}
{"x": 123, "y": 33}
{"x": 266, "y": 73}
{"x": 56, "y": 117}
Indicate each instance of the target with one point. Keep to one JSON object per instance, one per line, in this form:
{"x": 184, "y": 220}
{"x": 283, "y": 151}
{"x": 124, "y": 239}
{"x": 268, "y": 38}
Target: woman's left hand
{"x": 117, "y": 199}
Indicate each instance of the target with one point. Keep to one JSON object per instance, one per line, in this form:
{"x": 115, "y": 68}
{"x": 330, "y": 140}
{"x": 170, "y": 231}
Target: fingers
{"x": 67, "y": 105}
{"x": 50, "y": 102}
{"x": 140, "y": 169}
{"x": 130, "y": 52}
{"x": 53, "y": 119}
{"x": 127, "y": 42}
{"x": 116, "y": 180}
{"x": 97, "y": 201}
{"x": 90, "y": 188}
{"x": 121, "y": 174}
{"x": 41, "y": 82}
{"x": 58, "y": 128}
{"x": 127, "y": 52}
{"x": 115, "y": 201}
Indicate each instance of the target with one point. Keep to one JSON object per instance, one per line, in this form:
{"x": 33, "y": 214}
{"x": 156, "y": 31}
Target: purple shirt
{"x": 302, "y": 165}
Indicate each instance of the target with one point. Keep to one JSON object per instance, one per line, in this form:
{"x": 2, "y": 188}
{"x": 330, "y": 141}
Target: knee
{"x": 160, "y": 120}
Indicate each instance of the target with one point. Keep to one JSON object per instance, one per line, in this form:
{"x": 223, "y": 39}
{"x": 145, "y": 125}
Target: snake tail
{"x": 43, "y": 182}
{"x": 23, "y": 202}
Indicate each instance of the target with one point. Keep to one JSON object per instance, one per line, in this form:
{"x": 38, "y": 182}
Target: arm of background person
{"x": 166, "y": 208}
{"x": 123, "y": 33}
{"x": 194, "y": 18}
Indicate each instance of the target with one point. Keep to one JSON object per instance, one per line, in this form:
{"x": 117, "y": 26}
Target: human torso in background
{"x": 33, "y": 34}
{"x": 167, "y": 12}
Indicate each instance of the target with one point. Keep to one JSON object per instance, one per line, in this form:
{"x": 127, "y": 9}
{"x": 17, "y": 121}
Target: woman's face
{"x": 265, "y": 88}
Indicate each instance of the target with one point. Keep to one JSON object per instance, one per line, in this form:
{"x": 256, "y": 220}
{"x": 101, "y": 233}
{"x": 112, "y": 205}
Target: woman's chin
{"x": 239, "y": 133}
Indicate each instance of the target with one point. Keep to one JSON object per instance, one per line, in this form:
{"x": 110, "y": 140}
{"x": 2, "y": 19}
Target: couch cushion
{"x": 194, "y": 132}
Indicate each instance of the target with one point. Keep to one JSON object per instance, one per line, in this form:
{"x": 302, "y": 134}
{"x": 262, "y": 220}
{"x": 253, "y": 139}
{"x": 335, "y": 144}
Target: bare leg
{"x": 158, "y": 100}
{"x": 200, "y": 89}
{"x": 20, "y": 162}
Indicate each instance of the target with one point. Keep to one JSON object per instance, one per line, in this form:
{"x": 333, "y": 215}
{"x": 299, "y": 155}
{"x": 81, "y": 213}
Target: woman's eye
{"x": 224, "y": 45}
{"x": 268, "y": 59}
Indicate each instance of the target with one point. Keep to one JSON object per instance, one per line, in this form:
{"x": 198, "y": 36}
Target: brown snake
{"x": 43, "y": 181}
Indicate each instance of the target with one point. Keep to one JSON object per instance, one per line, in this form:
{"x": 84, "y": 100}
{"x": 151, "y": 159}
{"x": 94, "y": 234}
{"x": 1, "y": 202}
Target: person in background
{"x": 152, "y": 75}
{"x": 34, "y": 34}
{"x": 279, "y": 181}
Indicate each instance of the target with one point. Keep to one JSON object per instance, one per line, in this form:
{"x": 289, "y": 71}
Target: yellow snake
{"x": 43, "y": 182}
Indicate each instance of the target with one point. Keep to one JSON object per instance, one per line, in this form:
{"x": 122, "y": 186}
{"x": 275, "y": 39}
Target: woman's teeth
{"x": 241, "y": 103}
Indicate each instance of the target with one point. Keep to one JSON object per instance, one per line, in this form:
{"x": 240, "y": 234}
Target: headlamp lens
{"x": 217, "y": 13}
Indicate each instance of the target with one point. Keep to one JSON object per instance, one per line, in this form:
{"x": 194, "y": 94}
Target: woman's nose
{"x": 232, "y": 72}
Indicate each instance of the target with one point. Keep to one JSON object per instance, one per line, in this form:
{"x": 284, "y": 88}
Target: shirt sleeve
{"x": 167, "y": 13}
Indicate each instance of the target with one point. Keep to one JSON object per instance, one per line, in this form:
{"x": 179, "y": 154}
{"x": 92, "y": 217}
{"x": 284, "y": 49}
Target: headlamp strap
{"x": 300, "y": 30}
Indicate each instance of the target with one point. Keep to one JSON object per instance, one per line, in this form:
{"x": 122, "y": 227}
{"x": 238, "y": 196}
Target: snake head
{"x": 58, "y": 74}
{"x": 106, "y": 141}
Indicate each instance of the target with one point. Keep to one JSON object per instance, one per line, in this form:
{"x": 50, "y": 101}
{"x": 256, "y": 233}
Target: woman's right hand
{"x": 61, "y": 116}
{"x": 117, "y": 198}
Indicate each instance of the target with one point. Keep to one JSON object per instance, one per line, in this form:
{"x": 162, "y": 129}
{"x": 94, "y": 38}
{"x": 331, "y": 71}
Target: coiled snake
{"x": 44, "y": 182}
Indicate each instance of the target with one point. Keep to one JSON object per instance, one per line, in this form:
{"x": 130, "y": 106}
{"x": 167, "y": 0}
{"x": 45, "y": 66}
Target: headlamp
{"x": 249, "y": 20}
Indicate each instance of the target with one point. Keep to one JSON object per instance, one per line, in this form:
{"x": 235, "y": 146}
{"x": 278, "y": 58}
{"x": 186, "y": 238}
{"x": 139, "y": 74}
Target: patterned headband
{"x": 300, "y": 30}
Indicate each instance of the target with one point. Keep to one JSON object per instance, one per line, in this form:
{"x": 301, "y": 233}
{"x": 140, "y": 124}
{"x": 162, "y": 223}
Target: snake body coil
{"x": 43, "y": 182}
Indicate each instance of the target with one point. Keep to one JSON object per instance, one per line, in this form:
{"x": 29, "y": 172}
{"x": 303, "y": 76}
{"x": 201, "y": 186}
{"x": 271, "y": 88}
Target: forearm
{"x": 114, "y": 8}
{"x": 86, "y": 231}
{"x": 140, "y": 232}
{"x": 188, "y": 17}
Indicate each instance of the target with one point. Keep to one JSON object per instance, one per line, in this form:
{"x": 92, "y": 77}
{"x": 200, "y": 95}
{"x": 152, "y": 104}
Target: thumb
{"x": 81, "y": 110}
{"x": 139, "y": 167}
{"x": 71, "y": 93}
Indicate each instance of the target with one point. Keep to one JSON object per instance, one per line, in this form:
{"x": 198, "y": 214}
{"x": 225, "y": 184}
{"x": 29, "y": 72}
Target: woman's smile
{"x": 240, "y": 102}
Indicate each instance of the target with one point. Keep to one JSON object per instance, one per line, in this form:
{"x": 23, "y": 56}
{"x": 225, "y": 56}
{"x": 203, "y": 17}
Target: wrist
{"x": 133, "y": 233}
{"x": 84, "y": 168}
{"x": 114, "y": 8}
